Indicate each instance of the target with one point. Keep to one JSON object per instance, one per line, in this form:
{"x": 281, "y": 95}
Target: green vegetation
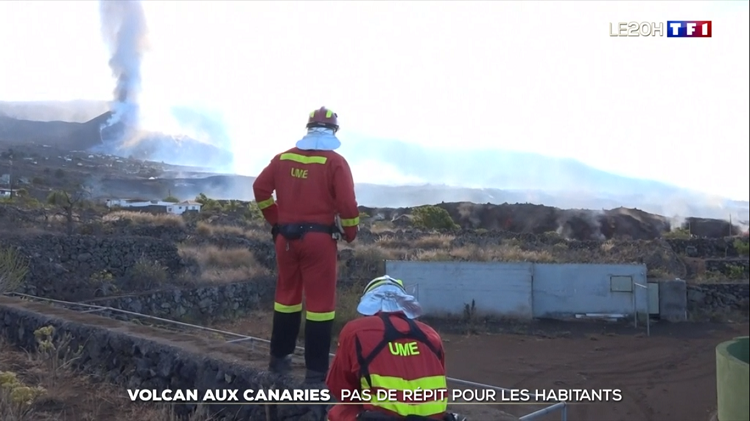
{"x": 678, "y": 234}
{"x": 13, "y": 269}
{"x": 68, "y": 203}
{"x": 743, "y": 248}
{"x": 432, "y": 217}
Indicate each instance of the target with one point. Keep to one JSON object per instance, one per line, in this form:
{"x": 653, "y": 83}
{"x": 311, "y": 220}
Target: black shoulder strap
{"x": 391, "y": 334}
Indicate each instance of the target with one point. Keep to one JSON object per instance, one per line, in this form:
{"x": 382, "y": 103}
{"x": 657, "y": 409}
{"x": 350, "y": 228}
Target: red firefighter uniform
{"x": 312, "y": 187}
{"x": 388, "y": 351}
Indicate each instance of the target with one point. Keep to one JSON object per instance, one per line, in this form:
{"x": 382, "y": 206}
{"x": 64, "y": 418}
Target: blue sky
{"x": 542, "y": 77}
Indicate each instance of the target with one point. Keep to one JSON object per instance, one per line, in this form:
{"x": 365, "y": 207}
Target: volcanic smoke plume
{"x": 124, "y": 31}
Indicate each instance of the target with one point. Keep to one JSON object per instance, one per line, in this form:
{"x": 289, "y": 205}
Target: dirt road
{"x": 668, "y": 376}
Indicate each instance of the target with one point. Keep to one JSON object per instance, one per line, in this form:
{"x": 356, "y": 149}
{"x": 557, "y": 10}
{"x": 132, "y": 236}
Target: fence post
{"x": 635, "y": 304}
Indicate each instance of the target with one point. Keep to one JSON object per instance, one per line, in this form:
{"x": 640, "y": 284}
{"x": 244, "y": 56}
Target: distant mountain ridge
{"x": 514, "y": 177}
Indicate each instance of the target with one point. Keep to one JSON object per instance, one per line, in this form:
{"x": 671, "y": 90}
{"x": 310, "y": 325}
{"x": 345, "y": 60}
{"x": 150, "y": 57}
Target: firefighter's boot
{"x": 281, "y": 366}
{"x": 316, "y": 380}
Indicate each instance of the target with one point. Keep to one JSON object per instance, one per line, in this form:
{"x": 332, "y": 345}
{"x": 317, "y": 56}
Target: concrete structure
{"x": 155, "y": 205}
{"x": 732, "y": 380}
{"x": 525, "y": 290}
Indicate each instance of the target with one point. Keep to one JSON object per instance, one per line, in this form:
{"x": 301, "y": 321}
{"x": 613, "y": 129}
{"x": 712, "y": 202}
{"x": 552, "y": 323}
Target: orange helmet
{"x": 323, "y": 117}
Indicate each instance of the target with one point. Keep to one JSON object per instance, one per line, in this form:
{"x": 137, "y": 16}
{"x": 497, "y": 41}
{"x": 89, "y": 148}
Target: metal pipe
{"x": 544, "y": 411}
{"x": 564, "y": 413}
{"x": 208, "y": 329}
{"x": 117, "y": 310}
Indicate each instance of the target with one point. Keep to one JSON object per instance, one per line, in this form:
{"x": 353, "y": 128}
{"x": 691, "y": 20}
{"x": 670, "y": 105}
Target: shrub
{"x": 432, "y": 217}
{"x": 678, "y": 234}
{"x": 13, "y": 269}
{"x": 252, "y": 212}
{"x": 146, "y": 274}
{"x": 743, "y": 248}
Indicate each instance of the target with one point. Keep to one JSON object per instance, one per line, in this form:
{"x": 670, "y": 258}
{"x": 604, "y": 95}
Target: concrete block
{"x": 673, "y": 300}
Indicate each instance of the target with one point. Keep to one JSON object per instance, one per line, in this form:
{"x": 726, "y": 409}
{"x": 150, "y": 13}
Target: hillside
{"x": 510, "y": 176}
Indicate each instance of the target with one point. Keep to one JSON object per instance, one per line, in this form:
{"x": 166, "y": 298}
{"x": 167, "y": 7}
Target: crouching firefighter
{"x": 388, "y": 349}
{"x": 315, "y": 206}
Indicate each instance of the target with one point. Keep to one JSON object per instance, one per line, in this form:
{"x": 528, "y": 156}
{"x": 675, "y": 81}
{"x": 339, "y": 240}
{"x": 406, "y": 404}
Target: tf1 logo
{"x": 673, "y": 29}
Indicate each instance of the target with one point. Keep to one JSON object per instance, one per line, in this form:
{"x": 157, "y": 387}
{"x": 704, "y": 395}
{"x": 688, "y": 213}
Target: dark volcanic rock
{"x": 573, "y": 224}
{"x": 62, "y": 266}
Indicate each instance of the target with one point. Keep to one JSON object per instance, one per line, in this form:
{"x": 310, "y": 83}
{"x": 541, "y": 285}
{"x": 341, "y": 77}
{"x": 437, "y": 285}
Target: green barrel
{"x": 732, "y": 382}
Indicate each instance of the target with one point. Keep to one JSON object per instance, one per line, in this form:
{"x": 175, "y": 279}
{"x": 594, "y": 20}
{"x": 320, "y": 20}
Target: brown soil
{"x": 667, "y": 376}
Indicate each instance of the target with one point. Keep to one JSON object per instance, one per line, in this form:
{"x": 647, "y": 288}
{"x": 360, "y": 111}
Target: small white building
{"x": 182, "y": 207}
{"x": 7, "y": 192}
{"x": 155, "y": 205}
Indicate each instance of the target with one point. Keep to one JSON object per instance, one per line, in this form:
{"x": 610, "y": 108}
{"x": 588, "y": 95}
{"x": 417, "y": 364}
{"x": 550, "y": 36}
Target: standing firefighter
{"x": 315, "y": 206}
{"x": 388, "y": 349}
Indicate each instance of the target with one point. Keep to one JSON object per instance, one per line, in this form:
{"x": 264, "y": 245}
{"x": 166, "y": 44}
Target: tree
{"x": 68, "y": 203}
{"x": 233, "y": 206}
{"x": 171, "y": 199}
{"x": 208, "y": 203}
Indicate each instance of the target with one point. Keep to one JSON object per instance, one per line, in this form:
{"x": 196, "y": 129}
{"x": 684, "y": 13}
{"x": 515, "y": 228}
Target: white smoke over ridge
{"x": 124, "y": 31}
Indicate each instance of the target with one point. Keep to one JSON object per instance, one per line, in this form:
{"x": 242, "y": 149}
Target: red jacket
{"x": 391, "y": 368}
{"x": 311, "y": 187}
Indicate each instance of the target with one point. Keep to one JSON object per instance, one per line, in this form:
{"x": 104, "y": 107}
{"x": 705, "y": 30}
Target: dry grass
{"x": 369, "y": 252}
{"x": 223, "y": 265}
{"x": 143, "y": 218}
{"x": 379, "y": 227}
{"x": 43, "y": 386}
{"x": 502, "y": 253}
{"x": 435, "y": 241}
{"x": 208, "y": 229}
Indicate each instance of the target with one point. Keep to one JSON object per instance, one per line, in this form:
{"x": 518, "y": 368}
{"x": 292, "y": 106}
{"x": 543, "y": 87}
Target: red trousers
{"x": 309, "y": 265}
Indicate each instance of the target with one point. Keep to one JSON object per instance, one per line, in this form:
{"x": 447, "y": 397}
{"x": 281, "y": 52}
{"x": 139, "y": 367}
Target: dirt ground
{"x": 667, "y": 376}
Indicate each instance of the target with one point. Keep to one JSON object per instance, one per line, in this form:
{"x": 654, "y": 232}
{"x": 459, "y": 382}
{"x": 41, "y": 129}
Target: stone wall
{"x": 706, "y": 247}
{"x": 718, "y": 298}
{"x": 61, "y": 266}
{"x": 196, "y": 305}
{"x": 735, "y": 268}
{"x": 135, "y": 356}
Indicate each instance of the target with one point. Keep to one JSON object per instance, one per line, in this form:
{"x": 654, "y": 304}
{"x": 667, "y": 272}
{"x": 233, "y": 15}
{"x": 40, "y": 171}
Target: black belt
{"x": 298, "y": 231}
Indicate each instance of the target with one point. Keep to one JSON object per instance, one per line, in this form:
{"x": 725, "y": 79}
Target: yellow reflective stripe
{"x": 382, "y": 281}
{"x": 424, "y": 409}
{"x": 402, "y": 408}
{"x": 389, "y": 382}
{"x": 320, "y": 317}
{"x": 329, "y": 114}
{"x": 351, "y": 222}
{"x": 302, "y": 159}
{"x": 263, "y": 204}
{"x": 281, "y": 308}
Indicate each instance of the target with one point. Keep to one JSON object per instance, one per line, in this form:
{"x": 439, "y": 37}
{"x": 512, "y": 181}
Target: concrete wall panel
{"x": 562, "y": 290}
{"x": 501, "y": 289}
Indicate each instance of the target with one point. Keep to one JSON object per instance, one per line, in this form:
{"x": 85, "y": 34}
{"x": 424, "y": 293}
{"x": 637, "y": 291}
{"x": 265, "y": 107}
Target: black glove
{"x": 275, "y": 232}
